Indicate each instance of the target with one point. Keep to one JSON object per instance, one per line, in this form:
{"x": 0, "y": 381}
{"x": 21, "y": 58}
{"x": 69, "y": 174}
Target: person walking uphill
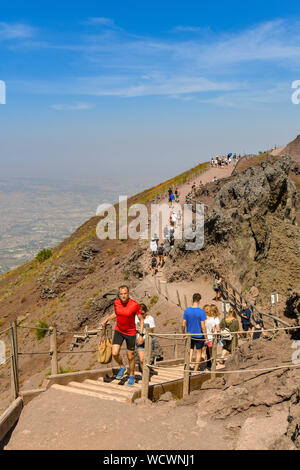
{"x": 194, "y": 322}
{"x": 125, "y": 312}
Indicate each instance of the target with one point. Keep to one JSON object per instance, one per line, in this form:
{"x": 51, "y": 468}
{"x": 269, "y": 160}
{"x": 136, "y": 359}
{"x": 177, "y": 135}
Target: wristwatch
{"x": 141, "y": 334}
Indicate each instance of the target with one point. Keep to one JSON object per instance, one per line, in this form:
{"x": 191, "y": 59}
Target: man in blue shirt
{"x": 194, "y": 322}
{"x": 246, "y": 319}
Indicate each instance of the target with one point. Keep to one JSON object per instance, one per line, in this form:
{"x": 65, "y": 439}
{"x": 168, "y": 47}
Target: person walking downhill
{"x": 161, "y": 252}
{"x": 194, "y": 322}
{"x": 126, "y": 310}
{"x": 177, "y": 194}
{"x": 218, "y": 286}
{"x": 246, "y": 320}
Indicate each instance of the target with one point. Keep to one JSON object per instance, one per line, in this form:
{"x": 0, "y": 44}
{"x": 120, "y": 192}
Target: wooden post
{"x": 53, "y": 350}
{"x": 233, "y": 343}
{"x": 186, "y": 377}
{"x": 241, "y": 302}
{"x": 13, "y": 366}
{"x": 226, "y": 287}
{"x": 234, "y": 298}
{"x": 175, "y": 345}
{"x": 178, "y": 298}
{"x": 14, "y": 326}
{"x": 185, "y": 301}
{"x": 214, "y": 357}
{"x": 146, "y": 368}
{"x": 159, "y": 287}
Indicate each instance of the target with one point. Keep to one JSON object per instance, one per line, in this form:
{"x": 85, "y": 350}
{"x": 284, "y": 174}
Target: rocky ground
{"x": 251, "y": 236}
{"x": 250, "y": 410}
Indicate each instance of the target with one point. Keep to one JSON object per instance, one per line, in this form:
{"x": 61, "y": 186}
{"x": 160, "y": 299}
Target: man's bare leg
{"x": 130, "y": 355}
{"x": 191, "y": 356}
{"x": 141, "y": 357}
{"x": 116, "y": 354}
{"x": 198, "y": 359}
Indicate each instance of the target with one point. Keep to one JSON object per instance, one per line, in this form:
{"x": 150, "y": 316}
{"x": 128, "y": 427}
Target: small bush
{"x": 158, "y": 313}
{"x": 91, "y": 269}
{"x": 39, "y": 334}
{"x": 23, "y": 300}
{"x": 153, "y": 300}
{"x": 66, "y": 370}
{"x": 43, "y": 255}
{"x": 110, "y": 252}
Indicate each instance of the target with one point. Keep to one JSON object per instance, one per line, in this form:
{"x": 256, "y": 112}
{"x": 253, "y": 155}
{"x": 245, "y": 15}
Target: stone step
{"x": 89, "y": 393}
{"x": 115, "y": 385}
{"x": 101, "y": 389}
{"x": 122, "y": 390}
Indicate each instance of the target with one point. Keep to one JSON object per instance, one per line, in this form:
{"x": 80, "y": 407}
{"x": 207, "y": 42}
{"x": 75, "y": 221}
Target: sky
{"x": 140, "y": 91}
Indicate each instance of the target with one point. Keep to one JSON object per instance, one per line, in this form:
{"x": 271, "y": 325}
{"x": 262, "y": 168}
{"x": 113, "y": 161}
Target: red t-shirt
{"x": 126, "y": 316}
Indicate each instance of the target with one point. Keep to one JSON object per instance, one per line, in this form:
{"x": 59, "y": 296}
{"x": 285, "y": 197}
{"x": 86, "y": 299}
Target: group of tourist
{"x": 173, "y": 196}
{"x": 220, "y": 161}
{"x": 159, "y": 250}
{"x": 133, "y": 320}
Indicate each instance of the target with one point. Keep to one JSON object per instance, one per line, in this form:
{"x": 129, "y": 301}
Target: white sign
{"x": 2, "y": 353}
{"x": 296, "y": 354}
{"x": 273, "y": 298}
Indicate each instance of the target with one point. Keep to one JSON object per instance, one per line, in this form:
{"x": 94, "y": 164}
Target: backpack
{"x": 226, "y": 334}
{"x": 160, "y": 250}
{"x": 105, "y": 349}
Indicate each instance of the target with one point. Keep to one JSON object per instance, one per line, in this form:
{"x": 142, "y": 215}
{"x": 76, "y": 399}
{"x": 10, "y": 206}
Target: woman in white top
{"x": 149, "y": 325}
{"x": 212, "y": 325}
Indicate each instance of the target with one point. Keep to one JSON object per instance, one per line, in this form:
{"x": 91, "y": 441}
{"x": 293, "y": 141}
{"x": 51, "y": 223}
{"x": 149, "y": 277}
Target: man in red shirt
{"x": 125, "y": 311}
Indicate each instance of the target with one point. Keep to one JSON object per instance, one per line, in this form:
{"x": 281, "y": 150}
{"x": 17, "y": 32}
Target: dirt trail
{"x": 49, "y": 421}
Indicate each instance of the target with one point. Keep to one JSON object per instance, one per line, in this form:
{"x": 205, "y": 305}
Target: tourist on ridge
{"x": 149, "y": 325}
{"x": 194, "y": 322}
{"x": 125, "y": 312}
{"x": 170, "y": 192}
{"x": 172, "y": 198}
{"x": 177, "y": 194}
{"x": 229, "y": 325}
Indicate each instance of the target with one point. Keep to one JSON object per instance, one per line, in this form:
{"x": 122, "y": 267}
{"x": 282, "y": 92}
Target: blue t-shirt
{"x": 247, "y": 312}
{"x": 194, "y": 316}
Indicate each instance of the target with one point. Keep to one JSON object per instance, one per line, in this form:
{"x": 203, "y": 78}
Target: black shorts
{"x": 119, "y": 338}
{"x": 199, "y": 343}
{"x": 246, "y": 326}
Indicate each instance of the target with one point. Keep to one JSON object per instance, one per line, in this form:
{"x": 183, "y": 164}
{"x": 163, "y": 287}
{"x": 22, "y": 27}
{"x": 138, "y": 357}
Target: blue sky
{"x": 143, "y": 89}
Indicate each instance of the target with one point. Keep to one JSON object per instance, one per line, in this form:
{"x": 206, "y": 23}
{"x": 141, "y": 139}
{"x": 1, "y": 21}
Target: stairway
{"x": 113, "y": 391}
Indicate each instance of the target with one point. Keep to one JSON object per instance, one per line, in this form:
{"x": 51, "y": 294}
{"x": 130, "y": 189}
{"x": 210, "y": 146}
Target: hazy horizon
{"x": 133, "y": 93}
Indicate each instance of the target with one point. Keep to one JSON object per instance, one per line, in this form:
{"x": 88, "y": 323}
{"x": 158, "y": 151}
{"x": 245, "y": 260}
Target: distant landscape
{"x": 40, "y": 213}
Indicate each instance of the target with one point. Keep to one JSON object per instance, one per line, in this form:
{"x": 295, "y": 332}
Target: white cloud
{"x": 15, "y": 31}
{"x": 76, "y": 106}
{"x": 101, "y": 21}
{"x": 189, "y": 29}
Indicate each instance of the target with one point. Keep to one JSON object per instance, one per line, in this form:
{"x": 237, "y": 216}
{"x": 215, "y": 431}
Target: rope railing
{"x": 242, "y": 299}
